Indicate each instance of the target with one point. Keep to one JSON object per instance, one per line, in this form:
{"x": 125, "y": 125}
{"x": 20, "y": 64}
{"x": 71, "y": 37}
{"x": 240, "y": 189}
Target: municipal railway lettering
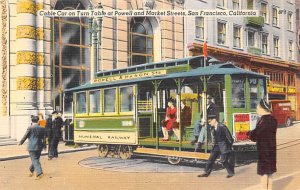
{"x": 119, "y": 137}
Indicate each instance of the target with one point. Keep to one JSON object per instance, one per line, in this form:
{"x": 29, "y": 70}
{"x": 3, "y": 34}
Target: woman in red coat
{"x": 171, "y": 117}
{"x": 265, "y": 137}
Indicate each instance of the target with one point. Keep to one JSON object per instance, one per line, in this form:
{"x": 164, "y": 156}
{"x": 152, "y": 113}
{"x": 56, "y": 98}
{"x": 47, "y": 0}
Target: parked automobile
{"x": 282, "y": 111}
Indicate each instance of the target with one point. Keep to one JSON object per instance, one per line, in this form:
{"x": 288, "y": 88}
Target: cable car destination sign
{"x": 130, "y": 76}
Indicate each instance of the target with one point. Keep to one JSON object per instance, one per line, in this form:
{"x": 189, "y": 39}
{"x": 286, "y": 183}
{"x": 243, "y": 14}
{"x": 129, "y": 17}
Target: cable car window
{"x": 253, "y": 93}
{"x": 238, "y": 93}
{"x": 126, "y": 98}
{"x": 95, "y": 106}
{"x": 262, "y": 88}
{"x": 144, "y": 99}
{"x": 81, "y": 103}
{"x": 110, "y": 100}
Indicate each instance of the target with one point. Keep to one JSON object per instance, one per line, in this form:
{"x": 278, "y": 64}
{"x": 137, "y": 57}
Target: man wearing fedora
{"x": 222, "y": 147}
{"x": 36, "y": 141}
{"x": 57, "y": 124}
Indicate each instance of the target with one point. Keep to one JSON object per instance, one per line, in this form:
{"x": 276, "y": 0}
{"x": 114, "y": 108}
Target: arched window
{"x": 141, "y": 41}
{"x": 71, "y": 52}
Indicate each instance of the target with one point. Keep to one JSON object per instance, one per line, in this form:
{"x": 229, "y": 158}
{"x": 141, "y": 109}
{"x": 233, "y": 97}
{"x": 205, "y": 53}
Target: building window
{"x": 220, "y": 3}
{"x": 221, "y": 33}
{"x": 290, "y": 22}
{"x": 250, "y": 4}
{"x": 276, "y": 77}
{"x": 236, "y": 4}
{"x": 276, "y": 46}
{"x": 251, "y": 38}
{"x": 71, "y": 60}
{"x": 275, "y": 16}
{"x": 141, "y": 41}
{"x": 291, "y": 50}
{"x": 199, "y": 24}
{"x": 264, "y": 12}
{"x": 237, "y": 36}
{"x": 264, "y": 43}
{"x": 291, "y": 80}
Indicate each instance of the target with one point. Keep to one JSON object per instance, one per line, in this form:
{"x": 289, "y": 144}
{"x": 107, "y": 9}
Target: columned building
{"x": 266, "y": 44}
{"x": 41, "y": 56}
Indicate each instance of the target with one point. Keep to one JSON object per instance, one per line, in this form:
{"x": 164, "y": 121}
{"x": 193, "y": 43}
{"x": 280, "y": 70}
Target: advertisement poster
{"x": 149, "y": 94}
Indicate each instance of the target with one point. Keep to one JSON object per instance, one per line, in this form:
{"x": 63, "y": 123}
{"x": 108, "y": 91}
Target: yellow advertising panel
{"x": 105, "y": 137}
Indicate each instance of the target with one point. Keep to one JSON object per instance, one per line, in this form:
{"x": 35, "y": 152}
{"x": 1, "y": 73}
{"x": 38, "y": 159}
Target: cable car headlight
{"x": 81, "y": 124}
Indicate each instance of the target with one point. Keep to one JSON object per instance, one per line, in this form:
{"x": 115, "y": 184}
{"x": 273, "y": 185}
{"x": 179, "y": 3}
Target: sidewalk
{"x": 11, "y": 152}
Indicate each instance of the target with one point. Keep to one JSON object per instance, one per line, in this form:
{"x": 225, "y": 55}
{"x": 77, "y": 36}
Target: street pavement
{"x": 65, "y": 172}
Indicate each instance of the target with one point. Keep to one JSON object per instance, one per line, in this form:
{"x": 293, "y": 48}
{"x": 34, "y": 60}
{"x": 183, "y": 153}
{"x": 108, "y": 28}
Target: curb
{"x": 46, "y": 153}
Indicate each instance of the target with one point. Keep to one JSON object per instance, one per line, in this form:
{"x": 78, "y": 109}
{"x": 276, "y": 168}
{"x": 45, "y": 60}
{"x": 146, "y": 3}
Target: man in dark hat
{"x": 36, "y": 141}
{"x": 222, "y": 147}
{"x": 57, "y": 124}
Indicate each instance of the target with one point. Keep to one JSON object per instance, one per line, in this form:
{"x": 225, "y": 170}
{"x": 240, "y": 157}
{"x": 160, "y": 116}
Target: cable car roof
{"x": 217, "y": 69}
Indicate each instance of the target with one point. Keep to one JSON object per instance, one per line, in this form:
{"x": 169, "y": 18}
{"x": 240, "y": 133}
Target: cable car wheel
{"x": 125, "y": 152}
{"x": 174, "y": 160}
{"x": 102, "y": 150}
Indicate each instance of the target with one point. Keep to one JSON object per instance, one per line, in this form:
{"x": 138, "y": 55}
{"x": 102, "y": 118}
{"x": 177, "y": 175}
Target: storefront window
{"x": 238, "y": 93}
{"x": 253, "y": 93}
{"x": 95, "y": 106}
{"x": 126, "y": 94}
{"x": 81, "y": 103}
{"x": 110, "y": 100}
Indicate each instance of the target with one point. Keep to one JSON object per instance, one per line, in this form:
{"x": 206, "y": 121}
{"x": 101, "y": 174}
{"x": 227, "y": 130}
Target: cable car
{"x": 121, "y": 110}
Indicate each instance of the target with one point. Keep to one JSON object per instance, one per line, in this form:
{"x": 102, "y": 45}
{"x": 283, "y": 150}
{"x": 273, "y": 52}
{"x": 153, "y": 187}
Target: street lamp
{"x": 95, "y": 28}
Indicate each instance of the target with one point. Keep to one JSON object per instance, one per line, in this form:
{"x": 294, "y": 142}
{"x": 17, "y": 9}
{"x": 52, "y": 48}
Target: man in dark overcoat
{"x": 222, "y": 147}
{"x": 36, "y": 141}
{"x": 57, "y": 124}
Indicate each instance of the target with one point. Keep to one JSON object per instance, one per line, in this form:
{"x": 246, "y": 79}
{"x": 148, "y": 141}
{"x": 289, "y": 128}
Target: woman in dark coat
{"x": 265, "y": 137}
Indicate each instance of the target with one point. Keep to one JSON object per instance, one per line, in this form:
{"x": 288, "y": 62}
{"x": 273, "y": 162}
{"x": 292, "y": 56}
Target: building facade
{"x": 266, "y": 44}
{"x": 42, "y": 56}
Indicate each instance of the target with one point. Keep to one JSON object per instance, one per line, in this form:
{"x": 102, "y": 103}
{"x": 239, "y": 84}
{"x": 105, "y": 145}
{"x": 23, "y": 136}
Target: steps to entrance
{"x": 5, "y": 140}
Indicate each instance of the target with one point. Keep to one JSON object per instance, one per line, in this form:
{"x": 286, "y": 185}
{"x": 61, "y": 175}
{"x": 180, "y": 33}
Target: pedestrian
{"x": 57, "y": 124}
{"x": 222, "y": 147}
{"x": 49, "y": 134}
{"x": 42, "y": 121}
{"x": 265, "y": 137}
{"x": 36, "y": 140}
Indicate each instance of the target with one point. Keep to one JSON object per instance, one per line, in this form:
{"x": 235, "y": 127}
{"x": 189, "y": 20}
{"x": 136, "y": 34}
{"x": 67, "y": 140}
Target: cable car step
{"x": 175, "y": 153}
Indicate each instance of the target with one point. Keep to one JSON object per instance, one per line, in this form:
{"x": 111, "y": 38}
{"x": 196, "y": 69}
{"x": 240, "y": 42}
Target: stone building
{"x": 266, "y": 44}
{"x": 42, "y": 56}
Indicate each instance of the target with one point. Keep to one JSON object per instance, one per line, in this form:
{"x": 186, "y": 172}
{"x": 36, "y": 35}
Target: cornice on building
{"x": 250, "y": 57}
